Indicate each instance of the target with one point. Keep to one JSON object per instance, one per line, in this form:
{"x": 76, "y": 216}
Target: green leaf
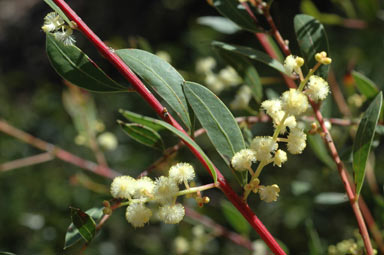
{"x": 161, "y": 76}
{"x": 73, "y": 235}
{"x": 321, "y": 152}
{"x": 217, "y": 120}
{"x": 6, "y": 253}
{"x": 312, "y": 39}
{"x": 140, "y": 119}
{"x": 251, "y": 54}
{"x": 365, "y": 85}
{"x": 76, "y": 67}
{"x": 314, "y": 243}
{"x": 233, "y": 10}
{"x": 143, "y": 135}
{"x": 180, "y": 134}
{"x": 331, "y": 198}
{"x": 246, "y": 70}
{"x": 363, "y": 140}
{"x": 235, "y": 218}
{"x": 57, "y": 10}
{"x": 219, "y": 24}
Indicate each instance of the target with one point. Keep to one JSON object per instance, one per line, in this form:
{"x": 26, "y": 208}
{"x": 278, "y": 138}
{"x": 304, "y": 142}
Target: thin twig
{"x": 56, "y": 151}
{"x": 337, "y": 95}
{"x": 27, "y": 161}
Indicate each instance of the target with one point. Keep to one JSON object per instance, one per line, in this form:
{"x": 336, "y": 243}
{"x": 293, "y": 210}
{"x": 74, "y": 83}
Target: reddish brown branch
{"x": 337, "y": 95}
{"x": 159, "y": 109}
{"x": 56, "y": 151}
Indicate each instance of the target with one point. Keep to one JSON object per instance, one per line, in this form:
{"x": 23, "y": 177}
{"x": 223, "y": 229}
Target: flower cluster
{"x": 284, "y": 112}
{"x": 217, "y": 82}
{"x": 163, "y": 191}
{"x": 55, "y": 24}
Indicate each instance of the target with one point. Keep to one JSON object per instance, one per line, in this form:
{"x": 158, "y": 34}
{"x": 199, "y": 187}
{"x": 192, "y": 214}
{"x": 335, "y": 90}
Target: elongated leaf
{"x": 57, "y": 10}
{"x": 218, "y": 121}
{"x": 161, "y": 76}
{"x": 233, "y": 10}
{"x": 143, "y": 135}
{"x": 312, "y": 39}
{"x": 365, "y": 85}
{"x": 363, "y": 140}
{"x": 6, "y": 253}
{"x": 183, "y": 136}
{"x": 235, "y": 218}
{"x": 331, "y": 198}
{"x": 76, "y": 67}
{"x": 140, "y": 119}
{"x": 246, "y": 70}
{"x": 73, "y": 235}
{"x": 219, "y": 24}
{"x": 321, "y": 152}
{"x": 251, "y": 54}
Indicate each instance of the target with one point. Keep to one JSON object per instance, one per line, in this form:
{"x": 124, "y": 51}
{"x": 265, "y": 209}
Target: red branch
{"x": 110, "y": 55}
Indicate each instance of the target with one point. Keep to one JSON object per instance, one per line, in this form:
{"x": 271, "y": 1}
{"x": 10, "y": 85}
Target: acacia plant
{"x": 295, "y": 115}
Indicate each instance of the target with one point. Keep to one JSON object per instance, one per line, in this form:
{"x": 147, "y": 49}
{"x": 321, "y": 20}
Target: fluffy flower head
{"x": 65, "y": 36}
{"x": 123, "y": 187}
{"x": 171, "y": 214}
{"x": 280, "y": 158}
{"x": 296, "y": 141}
{"x": 269, "y": 193}
{"x": 263, "y": 147}
{"x": 137, "y": 214}
{"x": 292, "y": 64}
{"x": 294, "y": 102}
{"x": 52, "y": 22}
{"x": 317, "y": 88}
{"x": 165, "y": 189}
{"x": 242, "y": 98}
{"x": 182, "y": 172}
{"x": 144, "y": 187}
{"x": 243, "y": 160}
{"x": 229, "y": 76}
{"x": 205, "y": 65}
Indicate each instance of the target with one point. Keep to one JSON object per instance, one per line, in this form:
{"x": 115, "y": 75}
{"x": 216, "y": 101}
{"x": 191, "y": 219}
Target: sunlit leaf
{"x": 233, "y": 10}
{"x": 76, "y": 67}
{"x": 251, "y": 54}
{"x": 312, "y": 39}
{"x": 222, "y": 128}
{"x": 331, "y": 198}
{"x": 183, "y": 136}
{"x": 73, "y": 235}
{"x": 161, "y": 76}
{"x": 365, "y": 85}
{"x": 234, "y": 218}
{"x": 363, "y": 140}
{"x": 219, "y": 24}
{"x": 143, "y": 135}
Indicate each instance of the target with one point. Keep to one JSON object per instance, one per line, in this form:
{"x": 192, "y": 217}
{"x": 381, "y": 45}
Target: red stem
{"x": 159, "y": 109}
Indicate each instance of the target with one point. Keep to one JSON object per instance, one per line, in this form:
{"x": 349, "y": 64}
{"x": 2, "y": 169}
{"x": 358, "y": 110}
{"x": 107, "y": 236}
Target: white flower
{"x": 317, "y": 88}
{"x": 214, "y": 83}
{"x": 164, "y": 56}
{"x": 137, "y": 214}
{"x": 269, "y": 193}
{"x": 294, "y": 102}
{"x": 182, "y": 172}
{"x": 165, "y": 189}
{"x": 242, "y": 98}
{"x": 243, "y": 160}
{"x": 272, "y": 107}
{"x": 205, "y": 65}
{"x": 52, "y": 22}
{"x": 296, "y": 141}
{"x": 229, "y": 76}
{"x": 181, "y": 245}
{"x": 263, "y": 147}
{"x": 292, "y": 64}
{"x": 123, "y": 187}
{"x": 107, "y": 140}
{"x": 65, "y": 36}
{"x": 144, "y": 187}
{"x": 171, "y": 214}
{"x": 280, "y": 158}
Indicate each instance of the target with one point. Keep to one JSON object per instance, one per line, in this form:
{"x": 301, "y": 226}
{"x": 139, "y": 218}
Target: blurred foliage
{"x": 35, "y": 200}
